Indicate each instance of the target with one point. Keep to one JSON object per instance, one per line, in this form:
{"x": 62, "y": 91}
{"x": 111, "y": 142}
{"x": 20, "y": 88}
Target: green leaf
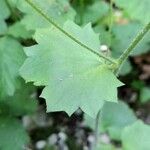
{"x": 12, "y": 134}
{"x": 4, "y": 11}
{"x": 106, "y": 147}
{"x": 137, "y": 84}
{"x": 145, "y": 94}
{"x": 21, "y": 103}
{"x": 74, "y": 77}
{"x": 93, "y": 12}
{"x": 4, "y": 14}
{"x": 11, "y": 58}
{"x": 60, "y": 10}
{"x": 3, "y": 27}
{"x": 104, "y": 34}
{"x": 126, "y": 68}
{"x": 136, "y": 136}
{"x": 136, "y": 9}
{"x": 18, "y": 30}
{"x": 115, "y": 117}
{"x": 124, "y": 34}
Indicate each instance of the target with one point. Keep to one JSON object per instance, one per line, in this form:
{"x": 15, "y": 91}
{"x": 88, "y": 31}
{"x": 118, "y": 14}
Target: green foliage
{"x": 4, "y": 14}
{"x": 136, "y": 136}
{"x": 126, "y": 68}
{"x": 12, "y": 134}
{"x": 136, "y": 9}
{"x": 115, "y": 117}
{"x": 11, "y": 59}
{"x": 21, "y": 103}
{"x": 145, "y": 94}
{"x": 67, "y": 60}
{"x": 92, "y": 12}
{"x": 144, "y": 91}
{"x": 59, "y": 10}
{"x": 129, "y": 32}
{"x": 18, "y": 30}
{"x": 106, "y": 147}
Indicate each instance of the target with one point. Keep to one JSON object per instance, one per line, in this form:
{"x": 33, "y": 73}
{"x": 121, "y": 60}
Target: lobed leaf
{"x": 74, "y": 77}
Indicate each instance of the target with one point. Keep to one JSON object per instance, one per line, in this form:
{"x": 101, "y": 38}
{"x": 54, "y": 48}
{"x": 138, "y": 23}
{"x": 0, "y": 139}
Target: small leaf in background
{"x": 145, "y": 94}
{"x": 12, "y": 134}
{"x": 92, "y": 12}
{"x": 104, "y": 34}
{"x": 59, "y": 10}
{"x": 76, "y": 77}
{"x": 123, "y": 36}
{"x": 137, "y": 84}
{"x": 21, "y": 103}
{"x": 4, "y": 14}
{"x": 126, "y": 68}
{"x": 106, "y": 147}
{"x": 136, "y": 9}
{"x": 11, "y": 58}
{"x": 136, "y": 136}
{"x": 18, "y": 30}
{"x": 114, "y": 117}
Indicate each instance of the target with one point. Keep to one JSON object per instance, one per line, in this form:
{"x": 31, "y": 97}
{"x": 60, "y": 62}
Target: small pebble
{"x": 62, "y": 136}
{"x": 27, "y": 122}
{"x": 52, "y": 139}
{"x": 104, "y": 138}
{"x": 85, "y": 148}
{"x": 40, "y": 119}
{"x": 40, "y": 145}
{"x": 91, "y": 139}
{"x": 118, "y": 14}
{"x": 104, "y": 48}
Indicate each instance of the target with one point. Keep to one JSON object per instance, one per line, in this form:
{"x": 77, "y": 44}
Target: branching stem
{"x": 134, "y": 43}
{"x": 50, "y": 20}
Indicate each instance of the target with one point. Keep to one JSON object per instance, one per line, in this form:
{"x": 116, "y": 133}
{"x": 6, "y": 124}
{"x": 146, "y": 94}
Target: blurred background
{"x": 24, "y": 123}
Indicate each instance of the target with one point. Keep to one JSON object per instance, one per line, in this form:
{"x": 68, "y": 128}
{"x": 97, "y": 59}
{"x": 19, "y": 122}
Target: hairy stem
{"x": 134, "y": 43}
{"x": 97, "y": 130}
{"x": 50, "y": 20}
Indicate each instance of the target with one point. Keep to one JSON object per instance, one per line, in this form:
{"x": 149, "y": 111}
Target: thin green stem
{"x": 134, "y": 43}
{"x": 50, "y": 20}
{"x": 97, "y": 130}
